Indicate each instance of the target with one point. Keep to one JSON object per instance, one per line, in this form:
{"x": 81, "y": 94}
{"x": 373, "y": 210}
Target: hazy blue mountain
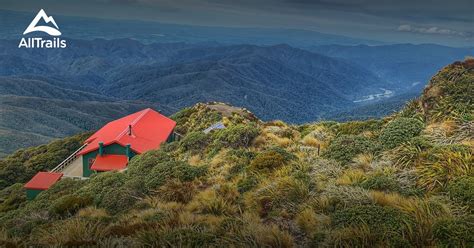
{"x": 36, "y": 109}
{"x": 371, "y": 110}
{"x": 150, "y": 32}
{"x": 58, "y": 92}
{"x": 277, "y": 82}
{"x": 408, "y": 67}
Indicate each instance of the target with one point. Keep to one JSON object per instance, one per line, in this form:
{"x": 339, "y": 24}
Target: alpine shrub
{"x": 69, "y": 204}
{"x": 345, "y": 147}
{"x": 389, "y": 224}
{"x": 462, "y": 189}
{"x": 272, "y": 158}
{"x": 400, "y": 130}
{"x": 240, "y": 135}
{"x": 454, "y": 232}
{"x": 247, "y": 183}
{"x": 194, "y": 141}
{"x": 381, "y": 182}
{"x": 159, "y": 175}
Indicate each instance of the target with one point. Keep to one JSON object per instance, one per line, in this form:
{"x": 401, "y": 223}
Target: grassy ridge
{"x": 402, "y": 181}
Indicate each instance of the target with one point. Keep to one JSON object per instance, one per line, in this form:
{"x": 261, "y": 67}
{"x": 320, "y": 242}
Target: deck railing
{"x": 68, "y": 160}
{"x": 75, "y": 177}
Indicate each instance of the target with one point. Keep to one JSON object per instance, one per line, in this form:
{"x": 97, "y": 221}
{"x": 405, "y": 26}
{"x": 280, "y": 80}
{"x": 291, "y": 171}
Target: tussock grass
{"x": 351, "y": 176}
{"x": 72, "y": 232}
{"x": 93, "y": 213}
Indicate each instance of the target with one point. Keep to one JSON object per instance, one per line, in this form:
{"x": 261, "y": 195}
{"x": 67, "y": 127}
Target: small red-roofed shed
{"x": 41, "y": 181}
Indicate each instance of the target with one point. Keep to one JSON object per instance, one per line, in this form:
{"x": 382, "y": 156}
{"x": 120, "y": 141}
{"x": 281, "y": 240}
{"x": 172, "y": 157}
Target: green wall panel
{"x": 110, "y": 149}
{"x": 32, "y": 193}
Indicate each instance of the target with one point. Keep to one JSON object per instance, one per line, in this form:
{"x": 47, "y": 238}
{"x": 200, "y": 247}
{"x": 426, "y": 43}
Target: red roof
{"x": 109, "y": 162}
{"x": 149, "y": 130}
{"x": 43, "y": 180}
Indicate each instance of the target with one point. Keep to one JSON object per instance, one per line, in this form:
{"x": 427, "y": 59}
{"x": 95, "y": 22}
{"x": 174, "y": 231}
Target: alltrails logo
{"x": 40, "y": 42}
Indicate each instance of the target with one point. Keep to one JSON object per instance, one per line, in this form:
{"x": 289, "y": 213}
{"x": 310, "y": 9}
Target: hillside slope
{"x": 405, "y": 180}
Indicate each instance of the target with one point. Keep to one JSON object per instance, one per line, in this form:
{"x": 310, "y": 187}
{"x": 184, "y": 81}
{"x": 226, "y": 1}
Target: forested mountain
{"x": 70, "y": 90}
{"x": 404, "y": 180}
{"x": 278, "y": 82}
{"x": 405, "y": 66}
{"x": 275, "y": 82}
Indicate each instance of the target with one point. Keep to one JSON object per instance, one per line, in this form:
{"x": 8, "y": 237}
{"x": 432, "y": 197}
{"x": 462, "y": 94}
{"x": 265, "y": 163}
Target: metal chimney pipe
{"x": 129, "y": 130}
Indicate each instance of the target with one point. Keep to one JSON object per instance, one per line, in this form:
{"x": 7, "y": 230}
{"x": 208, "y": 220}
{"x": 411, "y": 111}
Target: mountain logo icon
{"x": 47, "y": 19}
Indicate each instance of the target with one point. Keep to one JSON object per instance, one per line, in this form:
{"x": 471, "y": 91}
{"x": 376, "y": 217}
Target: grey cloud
{"x": 433, "y": 30}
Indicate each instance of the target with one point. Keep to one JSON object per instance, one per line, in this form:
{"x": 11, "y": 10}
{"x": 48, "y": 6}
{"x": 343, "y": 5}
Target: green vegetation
{"x": 462, "y": 190}
{"x": 400, "y": 130}
{"x": 345, "y": 147}
{"x": 20, "y": 166}
{"x": 454, "y": 232}
{"x": 404, "y": 181}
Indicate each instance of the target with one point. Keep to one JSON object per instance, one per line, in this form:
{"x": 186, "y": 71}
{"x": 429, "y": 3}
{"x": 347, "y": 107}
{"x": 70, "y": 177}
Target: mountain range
{"x": 93, "y": 81}
{"x": 14, "y": 23}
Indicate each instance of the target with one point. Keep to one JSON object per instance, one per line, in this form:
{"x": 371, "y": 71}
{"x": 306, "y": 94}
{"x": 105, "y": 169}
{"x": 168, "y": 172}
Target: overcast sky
{"x": 408, "y": 21}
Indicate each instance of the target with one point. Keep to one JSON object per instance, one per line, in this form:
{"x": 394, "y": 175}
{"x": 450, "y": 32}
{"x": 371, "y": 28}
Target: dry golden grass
{"x": 158, "y": 203}
{"x": 195, "y": 160}
{"x": 92, "y": 212}
{"x": 209, "y": 202}
{"x": 351, "y": 176}
{"x": 254, "y": 233}
{"x": 72, "y": 232}
{"x": 307, "y": 221}
{"x": 364, "y": 160}
{"x": 281, "y": 141}
{"x": 446, "y": 127}
{"x": 388, "y": 199}
{"x": 284, "y": 171}
{"x": 177, "y": 191}
{"x": 276, "y": 123}
{"x": 448, "y": 166}
{"x": 187, "y": 218}
{"x": 311, "y": 141}
{"x": 260, "y": 141}
{"x": 355, "y": 236}
{"x": 425, "y": 212}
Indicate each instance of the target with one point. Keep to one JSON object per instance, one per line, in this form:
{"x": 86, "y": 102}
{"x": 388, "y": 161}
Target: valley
{"x": 116, "y": 77}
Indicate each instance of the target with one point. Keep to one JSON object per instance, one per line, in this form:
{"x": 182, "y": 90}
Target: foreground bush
{"x": 400, "y": 130}
{"x": 345, "y": 147}
{"x": 69, "y": 204}
{"x": 389, "y": 225}
{"x": 442, "y": 164}
{"x": 240, "y": 135}
{"x": 381, "y": 182}
{"x": 194, "y": 141}
{"x": 172, "y": 170}
{"x": 462, "y": 190}
{"x": 271, "y": 159}
{"x": 454, "y": 232}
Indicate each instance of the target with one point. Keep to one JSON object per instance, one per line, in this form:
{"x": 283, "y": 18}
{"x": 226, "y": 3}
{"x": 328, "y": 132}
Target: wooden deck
{"x": 74, "y": 169}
